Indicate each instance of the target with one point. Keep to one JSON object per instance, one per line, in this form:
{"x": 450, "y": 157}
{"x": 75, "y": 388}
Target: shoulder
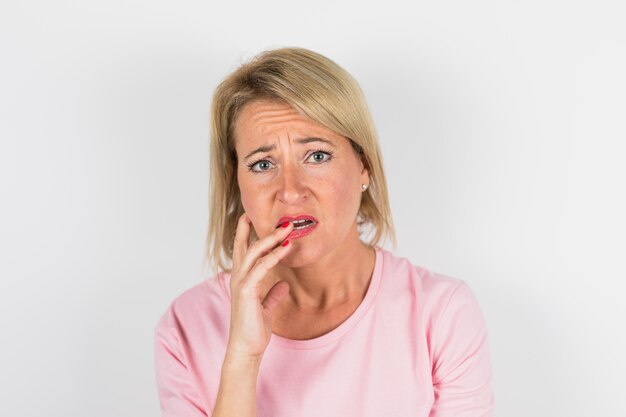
{"x": 445, "y": 306}
{"x": 431, "y": 288}
{"x": 438, "y": 300}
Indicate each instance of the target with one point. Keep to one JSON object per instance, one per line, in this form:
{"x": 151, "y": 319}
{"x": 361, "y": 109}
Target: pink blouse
{"x": 416, "y": 346}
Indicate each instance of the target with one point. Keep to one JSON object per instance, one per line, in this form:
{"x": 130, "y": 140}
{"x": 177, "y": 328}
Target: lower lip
{"x": 301, "y": 232}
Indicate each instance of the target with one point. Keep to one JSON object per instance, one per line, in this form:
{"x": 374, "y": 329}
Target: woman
{"x": 309, "y": 320}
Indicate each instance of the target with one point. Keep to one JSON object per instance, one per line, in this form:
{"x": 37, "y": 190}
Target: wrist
{"x": 241, "y": 362}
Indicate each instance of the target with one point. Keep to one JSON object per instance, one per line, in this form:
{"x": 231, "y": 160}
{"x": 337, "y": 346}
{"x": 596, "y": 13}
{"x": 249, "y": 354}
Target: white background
{"x": 502, "y": 129}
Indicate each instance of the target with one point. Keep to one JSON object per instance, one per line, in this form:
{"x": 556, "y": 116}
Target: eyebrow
{"x": 268, "y": 148}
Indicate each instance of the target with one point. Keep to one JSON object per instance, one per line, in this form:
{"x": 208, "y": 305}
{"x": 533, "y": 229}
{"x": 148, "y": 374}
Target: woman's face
{"x": 303, "y": 169}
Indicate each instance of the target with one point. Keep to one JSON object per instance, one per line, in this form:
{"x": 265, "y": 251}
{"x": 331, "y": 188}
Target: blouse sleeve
{"x": 178, "y": 395}
{"x": 461, "y": 369}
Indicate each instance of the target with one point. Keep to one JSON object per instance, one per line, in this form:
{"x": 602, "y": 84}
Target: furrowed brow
{"x": 302, "y": 141}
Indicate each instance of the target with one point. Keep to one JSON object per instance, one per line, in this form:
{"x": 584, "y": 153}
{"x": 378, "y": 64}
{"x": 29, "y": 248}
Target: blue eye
{"x": 322, "y": 153}
{"x": 265, "y": 163}
{"x": 261, "y": 162}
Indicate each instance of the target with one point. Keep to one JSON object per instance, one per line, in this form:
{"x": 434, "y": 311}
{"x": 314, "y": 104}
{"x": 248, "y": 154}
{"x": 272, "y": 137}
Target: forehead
{"x": 261, "y": 120}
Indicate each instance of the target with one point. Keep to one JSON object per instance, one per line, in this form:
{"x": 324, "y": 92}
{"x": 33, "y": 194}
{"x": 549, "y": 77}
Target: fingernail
{"x": 285, "y": 243}
{"x": 284, "y": 225}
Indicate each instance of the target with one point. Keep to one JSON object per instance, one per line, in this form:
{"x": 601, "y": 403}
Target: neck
{"x": 341, "y": 277}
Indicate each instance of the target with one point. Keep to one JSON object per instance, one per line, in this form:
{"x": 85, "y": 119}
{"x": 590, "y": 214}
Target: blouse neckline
{"x": 344, "y": 327}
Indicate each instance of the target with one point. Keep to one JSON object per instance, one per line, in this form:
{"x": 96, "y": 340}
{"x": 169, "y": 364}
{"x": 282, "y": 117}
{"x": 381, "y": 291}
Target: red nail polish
{"x": 285, "y": 243}
{"x": 284, "y": 225}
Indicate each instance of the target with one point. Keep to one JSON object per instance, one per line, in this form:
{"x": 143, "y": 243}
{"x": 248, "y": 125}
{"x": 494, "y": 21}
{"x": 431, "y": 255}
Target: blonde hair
{"x": 321, "y": 90}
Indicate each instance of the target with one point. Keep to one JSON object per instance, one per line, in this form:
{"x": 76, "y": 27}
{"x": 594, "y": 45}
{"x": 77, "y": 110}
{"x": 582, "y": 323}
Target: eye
{"x": 318, "y": 156}
{"x": 263, "y": 163}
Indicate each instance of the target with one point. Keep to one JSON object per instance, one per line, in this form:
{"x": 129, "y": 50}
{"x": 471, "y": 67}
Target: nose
{"x": 292, "y": 190}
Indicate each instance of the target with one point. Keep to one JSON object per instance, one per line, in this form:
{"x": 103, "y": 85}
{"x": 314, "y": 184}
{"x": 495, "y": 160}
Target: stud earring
{"x": 363, "y": 187}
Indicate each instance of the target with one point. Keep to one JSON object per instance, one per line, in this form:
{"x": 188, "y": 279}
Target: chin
{"x": 305, "y": 253}
{"x": 302, "y": 255}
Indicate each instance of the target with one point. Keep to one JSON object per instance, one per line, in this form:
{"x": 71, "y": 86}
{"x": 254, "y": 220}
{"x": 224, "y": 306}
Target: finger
{"x": 264, "y": 265}
{"x": 263, "y": 246}
{"x": 242, "y": 237}
{"x": 275, "y": 296}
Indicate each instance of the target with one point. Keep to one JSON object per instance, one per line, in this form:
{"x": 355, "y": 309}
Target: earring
{"x": 363, "y": 187}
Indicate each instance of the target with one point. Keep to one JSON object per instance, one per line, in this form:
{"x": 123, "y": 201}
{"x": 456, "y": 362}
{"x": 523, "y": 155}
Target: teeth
{"x": 300, "y": 224}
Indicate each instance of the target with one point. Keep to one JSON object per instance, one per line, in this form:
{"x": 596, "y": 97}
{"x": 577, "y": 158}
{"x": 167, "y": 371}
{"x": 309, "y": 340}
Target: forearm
{"x": 237, "y": 393}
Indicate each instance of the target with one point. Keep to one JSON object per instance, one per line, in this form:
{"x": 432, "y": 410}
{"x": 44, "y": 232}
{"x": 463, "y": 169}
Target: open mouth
{"x": 301, "y": 227}
{"x": 299, "y": 223}
{"x": 302, "y": 224}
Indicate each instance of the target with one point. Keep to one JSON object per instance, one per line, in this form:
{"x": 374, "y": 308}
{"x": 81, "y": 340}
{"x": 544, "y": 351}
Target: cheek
{"x": 254, "y": 202}
{"x": 344, "y": 197}
{"x": 252, "y": 208}
{"x": 247, "y": 197}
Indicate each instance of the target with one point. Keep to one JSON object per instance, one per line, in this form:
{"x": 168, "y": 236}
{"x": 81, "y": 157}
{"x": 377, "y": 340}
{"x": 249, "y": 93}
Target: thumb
{"x": 275, "y": 296}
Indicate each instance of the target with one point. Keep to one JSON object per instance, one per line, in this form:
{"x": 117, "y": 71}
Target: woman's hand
{"x": 251, "y": 308}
